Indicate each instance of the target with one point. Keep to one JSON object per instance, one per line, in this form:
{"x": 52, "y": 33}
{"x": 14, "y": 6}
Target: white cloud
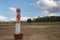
{"x": 50, "y": 6}
{"x": 3, "y": 18}
{"x": 44, "y": 4}
{"x": 12, "y": 9}
{"x": 51, "y": 14}
{"x": 24, "y": 18}
{"x": 12, "y": 19}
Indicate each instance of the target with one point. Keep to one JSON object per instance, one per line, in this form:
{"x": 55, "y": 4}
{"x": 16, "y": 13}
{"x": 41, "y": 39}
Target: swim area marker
{"x": 18, "y": 34}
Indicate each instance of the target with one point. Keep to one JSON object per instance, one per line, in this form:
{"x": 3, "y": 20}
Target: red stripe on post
{"x": 18, "y": 16}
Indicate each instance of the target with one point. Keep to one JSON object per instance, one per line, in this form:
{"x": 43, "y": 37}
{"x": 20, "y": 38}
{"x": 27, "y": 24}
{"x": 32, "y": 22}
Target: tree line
{"x": 45, "y": 19}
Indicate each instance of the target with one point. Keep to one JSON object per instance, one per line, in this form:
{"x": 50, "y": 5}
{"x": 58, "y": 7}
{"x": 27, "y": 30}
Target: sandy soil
{"x": 31, "y": 32}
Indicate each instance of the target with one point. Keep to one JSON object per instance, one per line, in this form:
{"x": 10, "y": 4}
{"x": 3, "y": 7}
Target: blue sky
{"x": 27, "y": 8}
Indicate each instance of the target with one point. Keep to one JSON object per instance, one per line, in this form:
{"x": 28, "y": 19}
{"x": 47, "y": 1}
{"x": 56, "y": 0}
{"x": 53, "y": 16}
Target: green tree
{"x": 29, "y": 20}
{"x": 36, "y": 19}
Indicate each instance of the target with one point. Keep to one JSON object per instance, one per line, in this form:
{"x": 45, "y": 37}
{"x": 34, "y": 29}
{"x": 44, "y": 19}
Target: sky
{"x": 29, "y": 9}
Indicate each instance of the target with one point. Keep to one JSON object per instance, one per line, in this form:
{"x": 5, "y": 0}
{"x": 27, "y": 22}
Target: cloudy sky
{"x": 29, "y": 8}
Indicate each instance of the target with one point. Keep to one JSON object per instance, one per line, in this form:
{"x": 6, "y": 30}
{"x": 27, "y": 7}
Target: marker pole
{"x": 18, "y": 34}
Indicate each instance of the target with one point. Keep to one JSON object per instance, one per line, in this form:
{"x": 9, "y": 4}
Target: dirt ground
{"x": 31, "y": 32}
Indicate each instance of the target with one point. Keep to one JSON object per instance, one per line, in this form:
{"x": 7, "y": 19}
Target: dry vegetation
{"x": 32, "y": 31}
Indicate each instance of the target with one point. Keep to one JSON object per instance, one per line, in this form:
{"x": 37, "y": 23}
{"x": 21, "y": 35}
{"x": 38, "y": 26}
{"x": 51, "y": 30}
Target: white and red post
{"x": 17, "y": 27}
{"x": 18, "y": 34}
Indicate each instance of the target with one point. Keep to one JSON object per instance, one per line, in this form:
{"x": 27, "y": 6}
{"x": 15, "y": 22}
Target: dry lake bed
{"x": 31, "y": 32}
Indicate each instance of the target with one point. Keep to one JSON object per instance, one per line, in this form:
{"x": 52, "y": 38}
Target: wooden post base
{"x": 18, "y": 36}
